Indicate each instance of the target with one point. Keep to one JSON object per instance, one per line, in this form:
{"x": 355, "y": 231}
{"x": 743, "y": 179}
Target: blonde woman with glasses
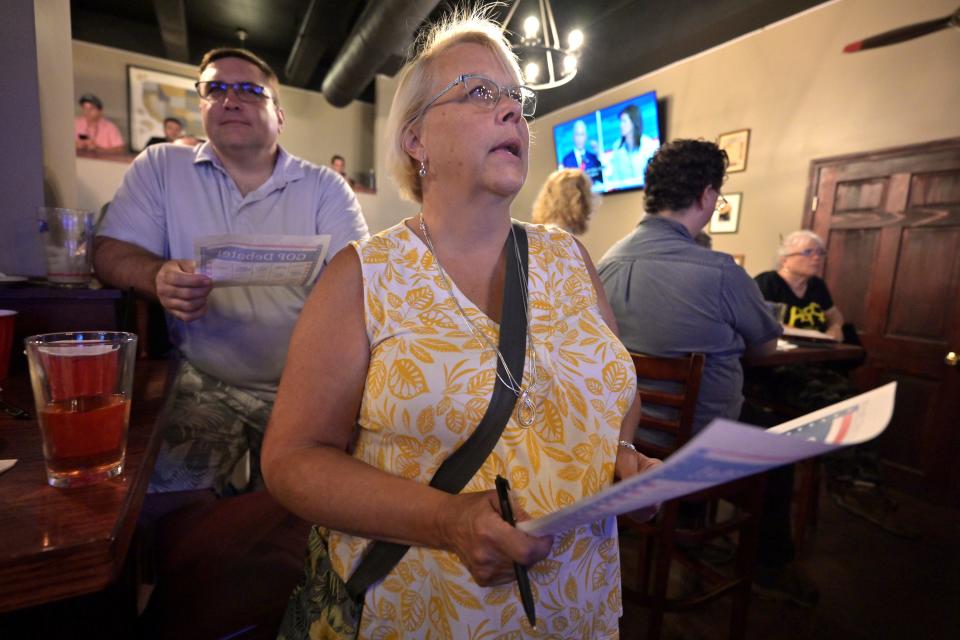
{"x": 423, "y": 337}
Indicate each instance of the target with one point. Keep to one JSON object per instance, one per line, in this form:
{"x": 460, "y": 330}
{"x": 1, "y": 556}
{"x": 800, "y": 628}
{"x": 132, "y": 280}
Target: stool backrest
{"x": 685, "y": 374}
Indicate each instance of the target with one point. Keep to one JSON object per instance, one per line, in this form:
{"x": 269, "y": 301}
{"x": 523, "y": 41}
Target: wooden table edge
{"x": 93, "y": 566}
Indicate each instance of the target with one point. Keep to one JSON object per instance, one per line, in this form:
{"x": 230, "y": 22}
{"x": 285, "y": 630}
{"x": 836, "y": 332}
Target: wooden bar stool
{"x": 660, "y": 538}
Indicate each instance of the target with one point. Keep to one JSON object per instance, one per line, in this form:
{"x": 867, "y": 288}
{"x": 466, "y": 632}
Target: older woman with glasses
{"x": 853, "y": 475}
{"x": 797, "y": 285}
{"x": 392, "y": 368}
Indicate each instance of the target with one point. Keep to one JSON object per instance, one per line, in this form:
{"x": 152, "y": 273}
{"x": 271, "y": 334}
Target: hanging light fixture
{"x": 544, "y": 62}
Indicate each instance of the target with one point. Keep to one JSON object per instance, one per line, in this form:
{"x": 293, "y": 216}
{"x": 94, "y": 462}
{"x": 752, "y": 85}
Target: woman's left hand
{"x": 630, "y": 463}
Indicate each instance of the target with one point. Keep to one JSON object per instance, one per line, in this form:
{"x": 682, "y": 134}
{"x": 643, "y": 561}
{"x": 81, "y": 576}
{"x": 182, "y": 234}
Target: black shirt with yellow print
{"x": 807, "y": 312}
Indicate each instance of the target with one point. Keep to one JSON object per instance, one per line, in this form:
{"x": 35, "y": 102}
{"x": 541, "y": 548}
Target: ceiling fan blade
{"x": 904, "y": 33}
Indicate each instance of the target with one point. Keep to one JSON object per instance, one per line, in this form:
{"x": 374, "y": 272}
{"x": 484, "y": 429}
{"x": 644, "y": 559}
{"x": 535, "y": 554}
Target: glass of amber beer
{"x": 82, "y": 384}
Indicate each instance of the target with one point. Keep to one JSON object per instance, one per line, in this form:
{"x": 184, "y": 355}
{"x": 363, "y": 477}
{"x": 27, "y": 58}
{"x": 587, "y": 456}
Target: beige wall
{"x": 389, "y": 207}
{"x": 385, "y": 208}
{"x": 801, "y": 98}
{"x": 314, "y": 130}
{"x": 54, "y": 63}
{"x": 98, "y": 180}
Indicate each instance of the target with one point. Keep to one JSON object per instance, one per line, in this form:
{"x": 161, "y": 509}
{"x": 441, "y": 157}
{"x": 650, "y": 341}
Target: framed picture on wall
{"x": 736, "y": 144}
{"x": 726, "y": 218}
{"x": 153, "y": 96}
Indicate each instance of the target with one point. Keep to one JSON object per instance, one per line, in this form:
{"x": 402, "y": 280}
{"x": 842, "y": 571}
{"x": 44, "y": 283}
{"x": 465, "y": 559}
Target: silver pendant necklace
{"x": 526, "y": 410}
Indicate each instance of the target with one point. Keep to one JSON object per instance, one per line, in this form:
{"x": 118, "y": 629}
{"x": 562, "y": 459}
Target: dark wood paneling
{"x": 859, "y": 195}
{"x": 943, "y": 216}
{"x": 912, "y": 280}
{"x": 42, "y": 309}
{"x": 850, "y": 258}
{"x": 824, "y": 173}
{"x": 925, "y": 279}
{"x": 942, "y": 187}
{"x": 938, "y": 156}
{"x": 59, "y": 543}
{"x": 903, "y": 441}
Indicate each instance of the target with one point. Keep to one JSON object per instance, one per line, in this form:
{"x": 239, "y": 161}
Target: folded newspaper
{"x": 725, "y": 451}
{"x": 241, "y": 260}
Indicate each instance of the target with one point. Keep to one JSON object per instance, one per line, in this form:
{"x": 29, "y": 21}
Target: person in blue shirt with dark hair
{"x": 672, "y": 297}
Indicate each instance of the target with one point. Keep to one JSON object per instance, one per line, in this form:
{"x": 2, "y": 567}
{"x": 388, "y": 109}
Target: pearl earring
{"x": 423, "y": 169}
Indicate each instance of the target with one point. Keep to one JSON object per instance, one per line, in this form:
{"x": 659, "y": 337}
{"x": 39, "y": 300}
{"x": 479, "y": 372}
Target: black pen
{"x": 523, "y": 582}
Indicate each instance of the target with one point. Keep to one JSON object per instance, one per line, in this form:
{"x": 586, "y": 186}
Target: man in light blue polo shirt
{"x": 233, "y": 339}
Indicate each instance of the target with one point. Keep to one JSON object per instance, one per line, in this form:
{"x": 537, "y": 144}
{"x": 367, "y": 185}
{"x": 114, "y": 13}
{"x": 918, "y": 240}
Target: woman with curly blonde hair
{"x": 566, "y": 201}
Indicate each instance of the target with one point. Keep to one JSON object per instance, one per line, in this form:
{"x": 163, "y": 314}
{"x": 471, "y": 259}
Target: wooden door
{"x": 891, "y": 220}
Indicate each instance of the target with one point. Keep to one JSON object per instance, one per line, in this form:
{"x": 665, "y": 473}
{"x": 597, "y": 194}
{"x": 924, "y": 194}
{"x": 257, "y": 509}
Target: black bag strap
{"x": 456, "y": 471}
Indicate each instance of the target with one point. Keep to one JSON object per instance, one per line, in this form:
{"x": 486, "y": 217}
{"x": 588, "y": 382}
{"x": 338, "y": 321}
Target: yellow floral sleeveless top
{"x": 428, "y": 386}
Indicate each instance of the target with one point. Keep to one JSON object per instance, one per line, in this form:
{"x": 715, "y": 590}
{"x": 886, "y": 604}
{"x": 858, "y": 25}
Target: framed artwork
{"x": 736, "y": 144}
{"x": 154, "y": 95}
{"x": 726, "y": 219}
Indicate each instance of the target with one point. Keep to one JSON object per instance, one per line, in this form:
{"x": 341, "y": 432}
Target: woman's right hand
{"x": 473, "y": 528}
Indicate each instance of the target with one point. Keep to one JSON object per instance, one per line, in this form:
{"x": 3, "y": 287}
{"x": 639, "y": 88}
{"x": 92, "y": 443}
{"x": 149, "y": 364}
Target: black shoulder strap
{"x": 456, "y": 471}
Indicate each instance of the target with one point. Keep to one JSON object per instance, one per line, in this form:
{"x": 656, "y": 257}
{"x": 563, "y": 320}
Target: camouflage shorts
{"x": 211, "y": 426}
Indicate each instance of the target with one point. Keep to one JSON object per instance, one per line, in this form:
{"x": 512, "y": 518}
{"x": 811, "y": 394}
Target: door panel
{"x": 847, "y": 279}
{"x": 930, "y": 189}
{"x": 858, "y": 196}
{"x": 891, "y": 220}
{"x": 906, "y": 441}
{"x": 923, "y": 276}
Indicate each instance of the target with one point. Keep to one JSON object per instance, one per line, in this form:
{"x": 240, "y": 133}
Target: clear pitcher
{"x": 68, "y": 242}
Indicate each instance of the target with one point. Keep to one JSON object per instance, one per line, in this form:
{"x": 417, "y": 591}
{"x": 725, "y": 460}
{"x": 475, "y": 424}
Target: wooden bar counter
{"x": 61, "y": 543}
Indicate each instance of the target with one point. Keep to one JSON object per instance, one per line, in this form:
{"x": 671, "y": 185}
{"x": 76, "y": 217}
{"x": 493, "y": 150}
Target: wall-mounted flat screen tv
{"x": 612, "y": 145}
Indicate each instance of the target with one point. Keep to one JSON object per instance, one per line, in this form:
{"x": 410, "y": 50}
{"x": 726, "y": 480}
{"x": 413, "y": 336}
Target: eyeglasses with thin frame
{"x": 486, "y": 93}
{"x": 808, "y": 253}
{"x": 216, "y": 91}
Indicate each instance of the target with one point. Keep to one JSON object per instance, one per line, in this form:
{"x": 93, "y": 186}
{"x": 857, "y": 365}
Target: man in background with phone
{"x": 93, "y": 131}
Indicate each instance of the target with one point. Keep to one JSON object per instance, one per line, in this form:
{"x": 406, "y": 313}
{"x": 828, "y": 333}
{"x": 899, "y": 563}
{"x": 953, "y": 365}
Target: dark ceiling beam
{"x": 172, "y": 19}
{"x": 383, "y": 29}
{"x": 310, "y": 45}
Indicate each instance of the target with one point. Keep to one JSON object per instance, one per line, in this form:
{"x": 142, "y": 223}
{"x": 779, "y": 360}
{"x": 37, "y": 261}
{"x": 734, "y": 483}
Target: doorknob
{"x": 951, "y": 359}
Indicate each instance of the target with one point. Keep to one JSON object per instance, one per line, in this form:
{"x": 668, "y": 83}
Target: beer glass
{"x": 82, "y": 384}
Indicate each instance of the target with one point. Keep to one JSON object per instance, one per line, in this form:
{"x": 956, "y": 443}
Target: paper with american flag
{"x": 726, "y": 451}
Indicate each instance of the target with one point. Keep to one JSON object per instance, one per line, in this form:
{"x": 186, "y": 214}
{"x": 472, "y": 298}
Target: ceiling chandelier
{"x": 544, "y": 62}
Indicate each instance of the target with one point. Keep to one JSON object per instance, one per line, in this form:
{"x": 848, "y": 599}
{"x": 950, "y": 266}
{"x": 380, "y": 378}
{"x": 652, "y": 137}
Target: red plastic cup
{"x": 7, "y": 318}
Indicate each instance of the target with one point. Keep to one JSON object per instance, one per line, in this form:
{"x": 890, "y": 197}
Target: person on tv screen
{"x": 580, "y": 158}
{"x": 632, "y": 152}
